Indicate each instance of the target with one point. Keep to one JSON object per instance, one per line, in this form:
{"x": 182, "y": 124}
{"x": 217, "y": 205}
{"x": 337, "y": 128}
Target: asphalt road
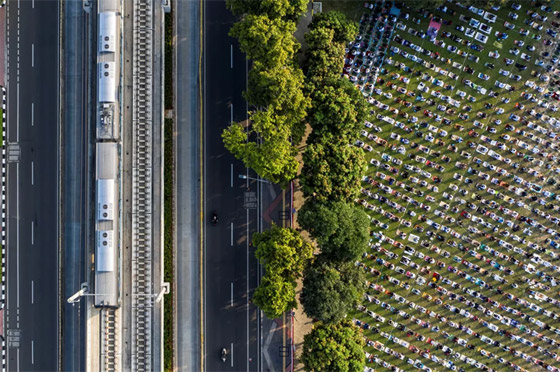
{"x": 230, "y": 267}
{"x": 187, "y": 289}
{"x": 32, "y": 266}
{"x": 75, "y": 186}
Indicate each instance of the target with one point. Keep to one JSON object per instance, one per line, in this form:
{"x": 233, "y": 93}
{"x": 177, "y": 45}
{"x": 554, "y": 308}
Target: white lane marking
{"x": 247, "y": 290}
{"x": 17, "y": 113}
{"x": 231, "y": 176}
{"x": 231, "y": 352}
{"x": 17, "y": 234}
{"x": 32, "y": 55}
{"x": 17, "y": 361}
{"x": 32, "y": 292}
{"x": 231, "y": 56}
{"x": 231, "y": 301}
{"x": 231, "y": 113}
{"x": 33, "y": 173}
{"x": 33, "y": 4}
{"x": 32, "y": 233}
{"x": 32, "y": 352}
{"x": 32, "y": 114}
{"x": 231, "y": 228}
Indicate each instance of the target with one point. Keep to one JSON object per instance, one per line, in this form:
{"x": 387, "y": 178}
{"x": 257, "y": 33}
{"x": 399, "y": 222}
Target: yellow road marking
{"x": 201, "y": 185}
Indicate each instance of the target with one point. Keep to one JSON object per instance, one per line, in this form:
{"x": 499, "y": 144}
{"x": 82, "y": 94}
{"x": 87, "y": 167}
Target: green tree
{"x": 341, "y": 229}
{"x": 282, "y": 251}
{"x": 344, "y": 29}
{"x": 337, "y": 108}
{"x": 281, "y": 88}
{"x": 332, "y": 169}
{"x": 324, "y": 56}
{"x": 334, "y": 347}
{"x": 269, "y": 151}
{"x": 284, "y": 254}
{"x": 343, "y": 287}
{"x": 275, "y": 295}
{"x": 287, "y": 9}
{"x": 269, "y": 41}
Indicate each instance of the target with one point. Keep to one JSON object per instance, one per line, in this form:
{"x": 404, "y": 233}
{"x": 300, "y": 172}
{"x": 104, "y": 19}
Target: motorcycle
{"x": 224, "y": 354}
{"x": 214, "y": 218}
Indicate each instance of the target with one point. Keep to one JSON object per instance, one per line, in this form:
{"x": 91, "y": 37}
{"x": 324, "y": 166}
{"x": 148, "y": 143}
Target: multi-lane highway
{"x": 230, "y": 266}
{"x": 32, "y": 321}
{"x": 218, "y": 255}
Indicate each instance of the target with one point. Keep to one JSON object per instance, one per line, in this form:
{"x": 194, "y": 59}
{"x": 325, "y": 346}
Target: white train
{"x": 106, "y": 225}
{"x": 107, "y": 166}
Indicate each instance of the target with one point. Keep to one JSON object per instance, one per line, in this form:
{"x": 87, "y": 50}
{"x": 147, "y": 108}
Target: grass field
{"x": 168, "y": 196}
{"x": 353, "y": 9}
{"x": 168, "y": 244}
{"x": 168, "y": 75}
{"x": 405, "y": 194}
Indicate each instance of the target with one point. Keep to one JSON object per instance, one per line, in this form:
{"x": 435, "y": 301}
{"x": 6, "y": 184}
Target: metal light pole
{"x": 245, "y": 177}
{"x": 83, "y": 292}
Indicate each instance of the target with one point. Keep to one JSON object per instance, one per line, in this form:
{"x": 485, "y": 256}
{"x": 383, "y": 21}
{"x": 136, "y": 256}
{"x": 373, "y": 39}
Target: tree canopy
{"x": 273, "y": 157}
{"x": 287, "y": 9}
{"x": 333, "y": 347}
{"x": 269, "y": 41}
{"x": 338, "y": 108}
{"x": 282, "y": 251}
{"x": 343, "y": 287}
{"x": 332, "y": 169}
{"x": 344, "y": 29}
{"x": 280, "y": 88}
{"x": 284, "y": 254}
{"x": 341, "y": 229}
{"x": 326, "y": 41}
{"x": 274, "y": 296}
{"x": 324, "y": 56}
{"x": 275, "y": 89}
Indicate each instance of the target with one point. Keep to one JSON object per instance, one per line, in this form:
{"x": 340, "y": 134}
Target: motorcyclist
{"x": 214, "y": 218}
{"x": 224, "y": 354}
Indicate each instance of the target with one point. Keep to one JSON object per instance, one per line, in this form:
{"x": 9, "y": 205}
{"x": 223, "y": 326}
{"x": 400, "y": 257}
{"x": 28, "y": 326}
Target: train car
{"x": 107, "y": 176}
{"x": 107, "y": 284}
{"x": 108, "y": 71}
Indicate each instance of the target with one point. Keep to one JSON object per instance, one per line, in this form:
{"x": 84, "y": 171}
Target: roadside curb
{"x": 3, "y": 209}
{"x": 3, "y": 198}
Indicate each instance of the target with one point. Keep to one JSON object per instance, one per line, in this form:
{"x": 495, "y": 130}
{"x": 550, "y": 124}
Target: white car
{"x": 480, "y": 37}
{"x": 483, "y": 76}
{"x": 481, "y": 149}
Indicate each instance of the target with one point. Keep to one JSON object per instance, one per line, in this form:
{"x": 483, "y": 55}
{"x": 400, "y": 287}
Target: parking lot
{"x": 461, "y": 187}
